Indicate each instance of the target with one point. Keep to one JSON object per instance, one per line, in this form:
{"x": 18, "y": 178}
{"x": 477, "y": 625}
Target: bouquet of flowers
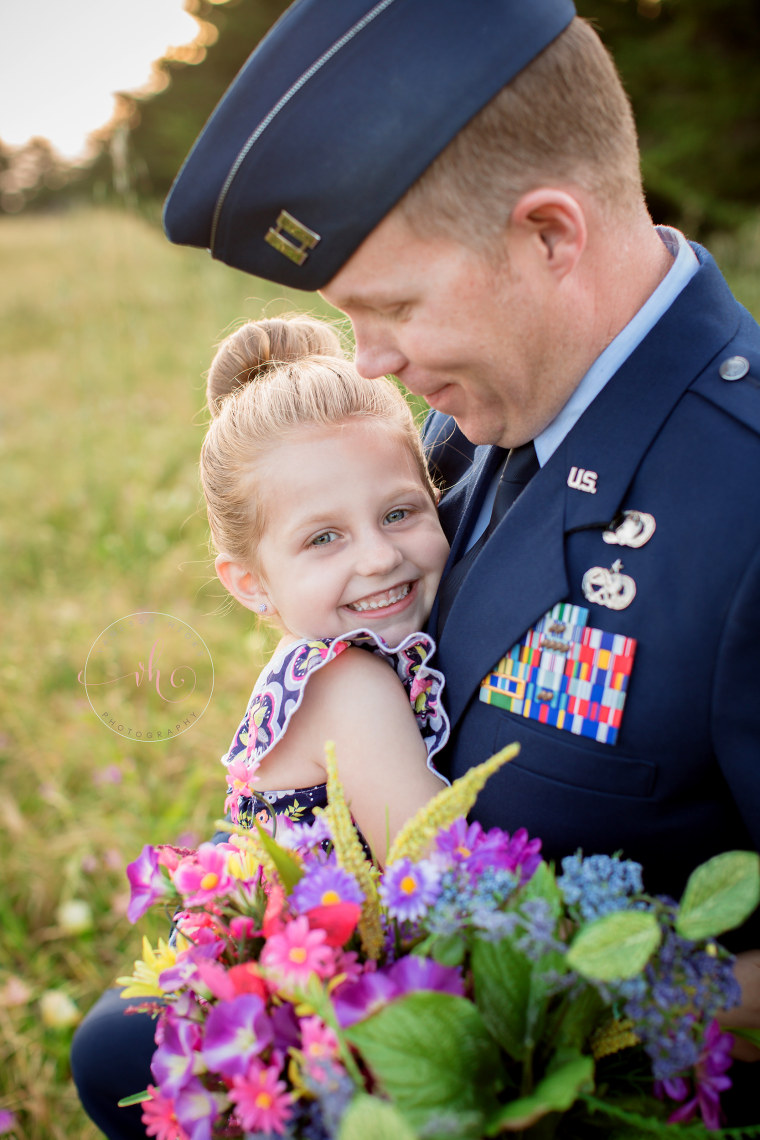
{"x": 464, "y": 991}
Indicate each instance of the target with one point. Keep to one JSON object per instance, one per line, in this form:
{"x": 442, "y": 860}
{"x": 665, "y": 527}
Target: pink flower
{"x": 204, "y": 876}
{"x": 7, "y": 1121}
{"x": 298, "y": 952}
{"x": 240, "y": 780}
{"x": 262, "y": 1101}
{"x": 318, "y": 1044}
{"x": 159, "y": 1117}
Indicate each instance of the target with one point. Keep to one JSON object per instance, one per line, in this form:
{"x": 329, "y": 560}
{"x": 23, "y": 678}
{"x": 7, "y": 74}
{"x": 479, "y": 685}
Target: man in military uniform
{"x": 463, "y": 181}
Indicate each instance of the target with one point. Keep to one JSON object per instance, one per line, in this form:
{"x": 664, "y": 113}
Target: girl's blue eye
{"x": 324, "y": 539}
{"x": 396, "y": 515}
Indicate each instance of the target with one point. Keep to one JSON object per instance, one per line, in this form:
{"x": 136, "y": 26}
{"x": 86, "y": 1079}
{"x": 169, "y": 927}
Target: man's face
{"x": 467, "y": 332}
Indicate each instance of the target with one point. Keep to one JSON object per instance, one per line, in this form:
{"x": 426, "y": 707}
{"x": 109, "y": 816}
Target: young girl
{"x": 324, "y": 517}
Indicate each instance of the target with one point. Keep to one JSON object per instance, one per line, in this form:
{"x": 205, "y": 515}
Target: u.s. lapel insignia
{"x": 580, "y": 479}
{"x": 630, "y": 528}
{"x": 609, "y": 588}
{"x": 566, "y": 674}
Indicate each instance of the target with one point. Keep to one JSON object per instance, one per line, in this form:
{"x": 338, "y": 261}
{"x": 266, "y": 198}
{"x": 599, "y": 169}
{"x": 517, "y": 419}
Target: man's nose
{"x": 375, "y": 356}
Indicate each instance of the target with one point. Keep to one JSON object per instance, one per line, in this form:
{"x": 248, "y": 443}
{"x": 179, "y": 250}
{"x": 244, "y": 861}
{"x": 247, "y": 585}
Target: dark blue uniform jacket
{"x": 670, "y": 437}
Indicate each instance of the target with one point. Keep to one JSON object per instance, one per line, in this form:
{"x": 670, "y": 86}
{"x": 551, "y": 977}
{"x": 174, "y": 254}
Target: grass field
{"x": 106, "y": 332}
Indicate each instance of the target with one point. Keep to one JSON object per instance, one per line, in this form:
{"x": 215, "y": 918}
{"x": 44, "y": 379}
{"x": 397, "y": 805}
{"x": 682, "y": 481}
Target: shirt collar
{"x": 685, "y": 265}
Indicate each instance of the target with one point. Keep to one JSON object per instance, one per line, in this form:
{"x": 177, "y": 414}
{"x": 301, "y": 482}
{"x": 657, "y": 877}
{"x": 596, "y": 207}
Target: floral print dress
{"x": 279, "y": 692}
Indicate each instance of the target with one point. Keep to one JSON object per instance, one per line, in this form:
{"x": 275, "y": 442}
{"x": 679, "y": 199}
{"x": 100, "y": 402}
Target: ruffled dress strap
{"x": 279, "y": 691}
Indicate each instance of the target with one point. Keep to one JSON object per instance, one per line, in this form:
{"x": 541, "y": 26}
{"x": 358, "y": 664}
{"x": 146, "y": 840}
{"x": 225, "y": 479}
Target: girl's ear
{"x": 245, "y": 586}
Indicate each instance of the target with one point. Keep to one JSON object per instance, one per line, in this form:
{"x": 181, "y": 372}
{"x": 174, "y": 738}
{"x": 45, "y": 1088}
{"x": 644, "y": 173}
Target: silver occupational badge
{"x": 631, "y": 528}
{"x": 609, "y": 588}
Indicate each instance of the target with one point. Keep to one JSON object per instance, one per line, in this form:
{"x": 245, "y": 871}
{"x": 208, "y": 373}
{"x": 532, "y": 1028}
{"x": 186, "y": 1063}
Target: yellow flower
{"x": 144, "y": 981}
{"x": 611, "y": 1038}
{"x": 449, "y": 804}
{"x": 349, "y": 854}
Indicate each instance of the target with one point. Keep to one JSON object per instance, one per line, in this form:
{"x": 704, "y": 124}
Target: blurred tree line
{"x": 690, "y": 68}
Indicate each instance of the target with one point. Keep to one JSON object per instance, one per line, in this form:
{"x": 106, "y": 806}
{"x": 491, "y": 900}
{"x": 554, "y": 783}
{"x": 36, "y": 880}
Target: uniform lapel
{"x": 521, "y": 572}
{"x": 460, "y": 508}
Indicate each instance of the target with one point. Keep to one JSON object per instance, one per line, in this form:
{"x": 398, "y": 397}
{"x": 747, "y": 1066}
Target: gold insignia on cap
{"x": 305, "y": 239}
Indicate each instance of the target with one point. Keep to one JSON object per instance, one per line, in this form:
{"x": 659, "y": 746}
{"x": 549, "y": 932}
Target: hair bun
{"x": 257, "y": 346}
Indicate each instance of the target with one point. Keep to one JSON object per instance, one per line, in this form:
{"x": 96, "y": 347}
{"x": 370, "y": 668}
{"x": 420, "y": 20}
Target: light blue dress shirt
{"x": 685, "y": 265}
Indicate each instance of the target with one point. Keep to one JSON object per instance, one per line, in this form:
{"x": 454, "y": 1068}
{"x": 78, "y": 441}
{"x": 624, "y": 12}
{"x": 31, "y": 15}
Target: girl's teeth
{"x": 384, "y": 600}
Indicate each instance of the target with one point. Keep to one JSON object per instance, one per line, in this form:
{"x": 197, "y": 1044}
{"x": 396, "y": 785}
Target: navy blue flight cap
{"x": 336, "y": 113}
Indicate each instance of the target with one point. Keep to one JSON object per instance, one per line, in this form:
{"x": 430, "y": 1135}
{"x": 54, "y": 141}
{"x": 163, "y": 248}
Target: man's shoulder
{"x": 731, "y": 382}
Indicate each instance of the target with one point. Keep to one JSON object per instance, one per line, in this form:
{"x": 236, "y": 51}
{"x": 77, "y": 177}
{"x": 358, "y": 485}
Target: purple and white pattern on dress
{"x": 279, "y": 690}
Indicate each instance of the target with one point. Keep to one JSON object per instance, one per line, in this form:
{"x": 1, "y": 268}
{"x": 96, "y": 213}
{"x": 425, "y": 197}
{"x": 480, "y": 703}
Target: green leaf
{"x": 288, "y": 867}
{"x": 135, "y": 1098}
{"x": 555, "y": 1093}
{"x": 433, "y": 1056}
{"x": 448, "y": 949}
{"x": 575, "y": 1018}
{"x": 751, "y": 1035}
{"x": 618, "y": 945}
{"x": 719, "y": 895}
{"x": 502, "y": 977}
{"x": 369, "y": 1118}
{"x": 543, "y": 884}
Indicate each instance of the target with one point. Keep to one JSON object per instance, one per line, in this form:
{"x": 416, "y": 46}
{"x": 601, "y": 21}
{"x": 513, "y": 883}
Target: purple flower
{"x": 325, "y": 885}
{"x": 185, "y": 970}
{"x": 303, "y": 836}
{"x": 7, "y": 1121}
{"x": 172, "y": 1064}
{"x": 408, "y": 888}
{"x": 236, "y": 1032}
{"x": 414, "y": 973}
{"x": 196, "y": 1110}
{"x": 355, "y": 1001}
{"x": 711, "y": 1080}
{"x": 146, "y": 881}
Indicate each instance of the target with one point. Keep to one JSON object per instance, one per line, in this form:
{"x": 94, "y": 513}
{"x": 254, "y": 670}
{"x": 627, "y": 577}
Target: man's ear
{"x": 554, "y": 221}
{"x": 245, "y": 586}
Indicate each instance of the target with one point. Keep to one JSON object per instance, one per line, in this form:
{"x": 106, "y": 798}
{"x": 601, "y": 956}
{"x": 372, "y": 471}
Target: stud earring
{"x": 263, "y": 608}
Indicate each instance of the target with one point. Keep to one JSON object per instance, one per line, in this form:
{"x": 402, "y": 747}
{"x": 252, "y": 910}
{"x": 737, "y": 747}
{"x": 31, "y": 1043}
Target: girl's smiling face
{"x": 351, "y": 537}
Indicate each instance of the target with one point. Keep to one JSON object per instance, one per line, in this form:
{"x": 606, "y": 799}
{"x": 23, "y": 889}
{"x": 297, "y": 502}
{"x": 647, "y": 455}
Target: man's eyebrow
{"x": 365, "y": 301}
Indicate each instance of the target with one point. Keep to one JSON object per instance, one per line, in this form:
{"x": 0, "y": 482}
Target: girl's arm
{"x": 359, "y": 703}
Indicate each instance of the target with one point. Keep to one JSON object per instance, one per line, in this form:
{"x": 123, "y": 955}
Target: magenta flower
{"x": 160, "y": 1119}
{"x": 7, "y": 1121}
{"x": 236, "y": 1032}
{"x": 196, "y": 1111}
{"x": 408, "y": 888}
{"x": 297, "y": 952}
{"x": 204, "y": 876}
{"x": 172, "y": 1063}
{"x": 146, "y": 881}
{"x": 261, "y": 1100}
{"x": 710, "y": 1080}
{"x": 469, "y": 844}
{"x": 325, "y": 885}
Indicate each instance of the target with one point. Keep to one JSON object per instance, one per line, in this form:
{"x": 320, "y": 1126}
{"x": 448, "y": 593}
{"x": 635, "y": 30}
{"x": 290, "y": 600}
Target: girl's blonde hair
{"x": 267, "y": 379}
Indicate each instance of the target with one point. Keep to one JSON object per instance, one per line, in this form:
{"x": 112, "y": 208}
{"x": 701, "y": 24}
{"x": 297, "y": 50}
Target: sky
{"x": 61, "y": 61}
